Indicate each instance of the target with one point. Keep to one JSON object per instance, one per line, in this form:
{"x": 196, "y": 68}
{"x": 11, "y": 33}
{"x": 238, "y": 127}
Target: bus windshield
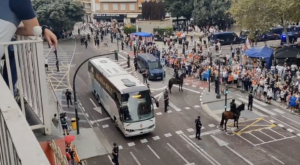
{"x": 154, "y": 65}
{"x": 137, "y": 106}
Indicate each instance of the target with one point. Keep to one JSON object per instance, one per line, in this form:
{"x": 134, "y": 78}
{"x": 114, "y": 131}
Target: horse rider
{"x": 176, "y": 73}
{"x": 233, "y": 108}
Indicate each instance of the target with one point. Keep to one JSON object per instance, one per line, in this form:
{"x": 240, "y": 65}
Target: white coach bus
{"x": 126, "y": 99}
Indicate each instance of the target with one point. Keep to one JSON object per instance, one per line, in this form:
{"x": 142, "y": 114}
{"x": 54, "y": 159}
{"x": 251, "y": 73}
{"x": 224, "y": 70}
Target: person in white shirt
{"x": 269, "y": 95}
{"x": 293, "y": 69}
{"x": 273, "y": 69}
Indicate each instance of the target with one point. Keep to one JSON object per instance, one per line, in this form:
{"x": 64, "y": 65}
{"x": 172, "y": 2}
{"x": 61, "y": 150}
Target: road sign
{"x": 162, "y": 61}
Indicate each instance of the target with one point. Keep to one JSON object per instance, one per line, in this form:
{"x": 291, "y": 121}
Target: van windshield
{"x": 154, "y": 65}
{"x": 245, "y": 33}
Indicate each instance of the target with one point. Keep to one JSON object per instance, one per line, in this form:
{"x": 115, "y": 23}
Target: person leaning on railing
{"x": 12, "y": 14}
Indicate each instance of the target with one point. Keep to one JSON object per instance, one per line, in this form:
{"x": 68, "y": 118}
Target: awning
{"x": 132, "y": 15}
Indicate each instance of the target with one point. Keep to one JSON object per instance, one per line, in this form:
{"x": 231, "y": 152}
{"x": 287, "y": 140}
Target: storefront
{"x": 110, "y": 17}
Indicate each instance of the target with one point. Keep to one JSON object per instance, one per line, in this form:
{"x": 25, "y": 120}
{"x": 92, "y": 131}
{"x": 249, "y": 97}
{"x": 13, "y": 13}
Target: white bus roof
{"x": 117, "y": 75}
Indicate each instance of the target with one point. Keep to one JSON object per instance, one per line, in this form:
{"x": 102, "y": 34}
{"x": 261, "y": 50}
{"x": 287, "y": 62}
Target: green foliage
{"x": 131, "y": 29}
{"x": 58, "y": 14}
{"x": 160, "y": 31}
{"x": 263, "y": 15}
{"x": 179, "y": 8}
{"x": 212, "y": 12}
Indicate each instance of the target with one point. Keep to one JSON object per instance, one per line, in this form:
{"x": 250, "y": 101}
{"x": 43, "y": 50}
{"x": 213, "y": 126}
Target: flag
{"x": 247, "y": 44}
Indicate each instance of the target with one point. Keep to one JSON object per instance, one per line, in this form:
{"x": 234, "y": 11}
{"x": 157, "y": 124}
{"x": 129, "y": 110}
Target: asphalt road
{"x": 173, "y": 140}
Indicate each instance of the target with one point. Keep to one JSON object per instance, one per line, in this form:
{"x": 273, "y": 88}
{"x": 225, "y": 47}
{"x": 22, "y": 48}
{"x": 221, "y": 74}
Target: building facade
{"x": 119, "y": 10}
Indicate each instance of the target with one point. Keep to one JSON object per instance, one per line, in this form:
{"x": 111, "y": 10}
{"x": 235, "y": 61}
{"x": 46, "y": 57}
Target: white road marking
{"x": 246, "y": 160}
{"x": 105, "y": 126}
{"x": 211, "y": 125}
{"x": 144, "y": 141}
{"x": 187, "y": 108}
{"x": 246, "y": 140}
{"x": 158, "y": 89}
{"x": 99, "y": 120}
{"x": 199, "y": 150}
{"x": 276, "y": 132}
{"x": 93, "y": 102}
{"x": 178, "y": 153}
{"x": 276, "y": 140}
{"x": 83, "y": 109}
{"x": 298, "y": 134}
{"x": 120, "y": 147}
{"x": 280, "y": 125}
{"x": 278, "y": 111}
{"x": 259, "y": 107}
{"x": 160, "y": 96}
{"x": 156, "y": 138}
{"x": 210, "y": 132}
{"x": 131, "y": 144}
{"x": 87, "y": 115}
{"x": 130, "y": 72}
{"x": 197, "y": 106}
{"x": 291, "y": 131}
{"x": 256, "y": 137}
{"x": 267, "y": 135}
{"x": 287, "y": 124}
{"x": 277, "y": 159}
{"x": 259, "y": 102}
{"x": 202, "y": 127}
{"x": 201, "y": 88}
{"x": 153, "y": 152}
{"x": 158, "y": 113}
{"x": 200, "y": 95}
{"x": 194, "y": 86}
{"x": 190, "y": 129}
{"x": 169, "y": 111}
{"x": 200, "y": 99}
{"x": 191, "y": 90}
{"x": 110, "y": 159}
{"x": 168, "y": 135}
{"x": 135, "y": 159}
{"x": 174, "y": 107}
{"x": 186, "y": 84}
{"x": 291, "y": 120}
{"x": 179, "y": 132}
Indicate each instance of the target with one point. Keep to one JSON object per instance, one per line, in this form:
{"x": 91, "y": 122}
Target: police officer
{"x": 233, "y": 107}
{"x": 250, "y": 101}
{"x": 166, "y": 99}
{"x": 122, "y": 45}
{"x": 198, "y": 128}
{"x": 135, "y": 63}
{"x": 115, "y": 154}
{"x": 128, "y": 61}
{"x": 68, "y": 97}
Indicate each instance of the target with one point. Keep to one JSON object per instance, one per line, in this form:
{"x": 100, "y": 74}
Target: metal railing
{"x": 18, "y": 144}
{"x": 26, "y": 76}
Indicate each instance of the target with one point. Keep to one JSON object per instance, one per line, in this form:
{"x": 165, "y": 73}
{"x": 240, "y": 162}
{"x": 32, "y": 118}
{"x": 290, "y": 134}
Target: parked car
{"x": 292, "y": 38}
{"x": 226, "y": 38}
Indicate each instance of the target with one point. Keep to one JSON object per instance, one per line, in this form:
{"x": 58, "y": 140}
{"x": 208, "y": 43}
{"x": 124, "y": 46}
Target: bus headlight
{"x": 151, "y": 74}
{"x": 151, "y": 126}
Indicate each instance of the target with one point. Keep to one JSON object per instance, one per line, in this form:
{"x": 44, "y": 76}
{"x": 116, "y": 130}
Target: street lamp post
{"x": 209, "y": 78}
{"x": 218, "y": 91}
{"x": 74, "y": 88}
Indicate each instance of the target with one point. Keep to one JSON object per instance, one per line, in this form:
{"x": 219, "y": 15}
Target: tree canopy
{"x": 212, "y": 12}
{"x": 59, "y": 15}
{"x": 263, "y": 15}
{"x": 179, "y": 8}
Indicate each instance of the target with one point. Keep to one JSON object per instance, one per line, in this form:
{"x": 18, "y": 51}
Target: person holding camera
{"x": 64, "y": 124}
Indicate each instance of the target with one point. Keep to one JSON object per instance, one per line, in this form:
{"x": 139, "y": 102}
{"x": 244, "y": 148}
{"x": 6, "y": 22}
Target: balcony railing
{"x": 18, "y": 144}
{"x": 25, "y": 75}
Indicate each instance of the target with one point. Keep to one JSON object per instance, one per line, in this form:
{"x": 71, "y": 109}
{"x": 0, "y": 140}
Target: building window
{"x": 97, "y": 6}
{"x": 132, "y": 6}
{"x": 115, "y": 6}
{"x": 123, "y": 6}
{"x": 105, "y": 6}
{"x": 87, "y": 5}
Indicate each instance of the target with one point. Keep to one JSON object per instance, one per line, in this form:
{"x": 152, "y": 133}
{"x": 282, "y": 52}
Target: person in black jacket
{"x": 250, "y": 101}
{"x": 198, "y": 128}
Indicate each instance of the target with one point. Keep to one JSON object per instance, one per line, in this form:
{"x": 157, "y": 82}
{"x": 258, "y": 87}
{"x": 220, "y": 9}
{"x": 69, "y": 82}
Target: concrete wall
{"x": 148, "y": 26}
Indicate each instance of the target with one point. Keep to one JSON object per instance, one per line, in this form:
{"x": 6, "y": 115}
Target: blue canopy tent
{"x": 143, "y": 34}
{"x": 261, "y": 52}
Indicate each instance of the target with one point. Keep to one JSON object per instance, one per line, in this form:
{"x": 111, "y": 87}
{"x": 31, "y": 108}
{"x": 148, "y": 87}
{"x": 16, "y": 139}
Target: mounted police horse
{"x": 230, "y": 115}
{"x": 179, "y": 82}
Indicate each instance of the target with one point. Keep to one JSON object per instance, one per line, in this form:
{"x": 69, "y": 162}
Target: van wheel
{"x": 115, "y": 121}
{"x": 98, "y": 99}
{"x": 94, "y": 93}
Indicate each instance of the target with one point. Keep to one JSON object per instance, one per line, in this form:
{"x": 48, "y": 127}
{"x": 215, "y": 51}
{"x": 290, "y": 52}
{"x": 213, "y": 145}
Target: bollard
{"x": 73, "y": 123}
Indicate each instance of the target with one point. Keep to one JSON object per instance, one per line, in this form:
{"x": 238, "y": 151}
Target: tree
{"x": 263, "y": 15}
{"x": 59, "y": 15}
{"x": 179, "y": 8}
{"x": 212, "y": 12}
